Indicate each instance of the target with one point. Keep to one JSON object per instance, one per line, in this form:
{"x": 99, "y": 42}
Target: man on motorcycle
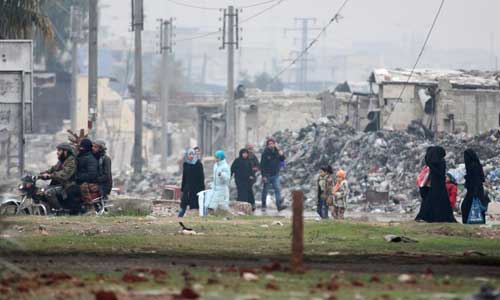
{"x": 61, "y": 176}
{"x": 105, "y": 178}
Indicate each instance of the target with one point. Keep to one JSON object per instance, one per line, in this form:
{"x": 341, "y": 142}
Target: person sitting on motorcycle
{"x": 87, "y": 172}
{"x": 61, "y": 176}
{"x": 105, "y": 178}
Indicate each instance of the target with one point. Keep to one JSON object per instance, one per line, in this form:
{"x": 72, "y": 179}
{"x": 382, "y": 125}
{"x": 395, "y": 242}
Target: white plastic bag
{"x": 203, "y": 200}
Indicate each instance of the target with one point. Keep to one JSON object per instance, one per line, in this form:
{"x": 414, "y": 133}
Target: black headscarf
{"x": 472, "y": 163}
{"x": 85, "y": 145}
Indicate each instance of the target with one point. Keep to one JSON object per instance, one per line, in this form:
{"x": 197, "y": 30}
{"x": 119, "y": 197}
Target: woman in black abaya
{"x": 436, "y": 206}
{"x": 474, "y": 180}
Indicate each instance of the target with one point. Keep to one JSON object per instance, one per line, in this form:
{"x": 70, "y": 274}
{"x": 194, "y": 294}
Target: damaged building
{"x": 451, "y": 101}
{"x": 258, "y": 116}
{"x": 437, "y": 100}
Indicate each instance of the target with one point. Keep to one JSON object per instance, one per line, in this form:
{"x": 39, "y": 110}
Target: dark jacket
{"x": 105, "y": 178}
{"x": 193, "y": 182}
{"x": 254, "y": 162}
{"x": 242, "y": 171}
{"x": 87, "y": 170}
{"x": 270, "y": 162}
{"x": 63, "y": 173}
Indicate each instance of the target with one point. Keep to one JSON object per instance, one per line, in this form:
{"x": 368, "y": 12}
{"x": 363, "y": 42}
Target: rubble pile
{"x": 149, "y": 184}
{"x": 384, "y": 161}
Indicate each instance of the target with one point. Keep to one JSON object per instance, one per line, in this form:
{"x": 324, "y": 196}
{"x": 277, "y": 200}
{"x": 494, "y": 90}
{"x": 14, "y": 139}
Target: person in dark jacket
{"x": 105, "y": 178}
{"x": 436, "y": 206}
{"x": 474, "y": 179}
{"x": 193, "y": 182}
{"x": 244, "y": 176}
{"x": 87, "y": 166}
{"x": 270, "y": 165}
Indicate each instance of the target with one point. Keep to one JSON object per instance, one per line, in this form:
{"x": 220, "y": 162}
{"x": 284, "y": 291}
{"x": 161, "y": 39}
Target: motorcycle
{"x": 33, "y": 201}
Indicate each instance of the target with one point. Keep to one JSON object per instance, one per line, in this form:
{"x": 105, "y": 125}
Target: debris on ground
{"x": 391, "y": 238}
{"x": 380, "y": 165}
{"x": 487, "y": 292}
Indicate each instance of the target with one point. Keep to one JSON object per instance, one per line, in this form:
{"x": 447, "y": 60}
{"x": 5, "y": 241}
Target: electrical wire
{"x": 262, "y": 11}
{"x": 259, "y": 3}
{"x": 201, "y": 36}
{"x": 336, "y": 17}
{"x": 193, "y": 6}
{"x": 427, "y": 38}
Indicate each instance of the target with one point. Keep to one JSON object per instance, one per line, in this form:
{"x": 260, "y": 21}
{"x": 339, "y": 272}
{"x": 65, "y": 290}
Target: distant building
{"x": 443, "y": 100}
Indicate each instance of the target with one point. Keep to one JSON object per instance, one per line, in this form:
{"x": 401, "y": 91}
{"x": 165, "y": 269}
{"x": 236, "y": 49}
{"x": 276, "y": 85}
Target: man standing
{"x": 105, "y": 178}
{"x": 62, "y": 177}
{"x": 270, "y": 169}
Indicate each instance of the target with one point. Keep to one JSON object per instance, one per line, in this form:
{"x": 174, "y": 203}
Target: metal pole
{"x": 22, "y": 129}
{"x": 92, "y": 95}
{"x": 137, "y": 23}
{"x": 230, "y": 118}
{"x": 305, "y": 41}
{"x": 75, "y": 39}
{"x": 165, "y": 45}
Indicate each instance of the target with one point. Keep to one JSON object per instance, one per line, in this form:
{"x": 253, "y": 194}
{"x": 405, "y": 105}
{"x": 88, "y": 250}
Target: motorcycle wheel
{"x": 8, "y": 209}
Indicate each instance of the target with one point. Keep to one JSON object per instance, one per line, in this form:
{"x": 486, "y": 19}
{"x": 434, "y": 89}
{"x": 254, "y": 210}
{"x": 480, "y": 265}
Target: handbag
{"x": 423, "y": 177}
{"x": 476, "y": 213}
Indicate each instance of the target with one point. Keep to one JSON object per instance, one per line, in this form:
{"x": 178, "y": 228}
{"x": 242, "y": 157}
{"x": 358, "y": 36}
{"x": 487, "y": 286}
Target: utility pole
{"x": 76, "y": 37}
{"x": 302, "y": 70}
{"x": 231, "y": 40}
{"x": 138, "y": 26}
{"x": 92, "y": 94}
{"x": 166, "y": 30}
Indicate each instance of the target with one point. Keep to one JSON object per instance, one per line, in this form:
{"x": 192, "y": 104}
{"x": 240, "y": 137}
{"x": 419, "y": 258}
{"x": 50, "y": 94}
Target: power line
{"x": 262, "y": 11}
{"x": 336, "y": 17}
{"x": 259, "y": 3}
{"x": 193, "y": 6}
{"x": 201, "y": 36}
{"x": 423, "y": 47}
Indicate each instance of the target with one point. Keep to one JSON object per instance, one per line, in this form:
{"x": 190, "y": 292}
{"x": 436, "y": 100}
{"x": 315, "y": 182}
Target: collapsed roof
{"x": 458, "y": 78}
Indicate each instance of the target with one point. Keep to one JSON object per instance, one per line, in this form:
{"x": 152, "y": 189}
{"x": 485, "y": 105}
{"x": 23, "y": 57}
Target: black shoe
{"x": 263, "y": 209}
{"x": 282, "y": 207}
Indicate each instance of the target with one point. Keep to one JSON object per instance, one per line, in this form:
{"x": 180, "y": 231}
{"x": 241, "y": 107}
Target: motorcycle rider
{"x": 86, "y": 172}
{"x": 62, "y": 177}
{"x": 105, "y": 178}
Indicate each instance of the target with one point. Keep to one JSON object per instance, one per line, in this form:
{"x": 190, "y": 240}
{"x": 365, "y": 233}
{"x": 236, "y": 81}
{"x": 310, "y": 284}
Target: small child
{"x": 325, "y": 186}
{"x": 340, "y": 194}
{"x": 451, "y": 187}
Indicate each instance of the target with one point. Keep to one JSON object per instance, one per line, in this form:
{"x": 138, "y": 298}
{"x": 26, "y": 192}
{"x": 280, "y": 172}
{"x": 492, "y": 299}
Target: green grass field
{"x": 345, "y": 260}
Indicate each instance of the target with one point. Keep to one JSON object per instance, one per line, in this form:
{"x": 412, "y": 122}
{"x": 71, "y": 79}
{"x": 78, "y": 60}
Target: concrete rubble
{"x": 384, "y": 161}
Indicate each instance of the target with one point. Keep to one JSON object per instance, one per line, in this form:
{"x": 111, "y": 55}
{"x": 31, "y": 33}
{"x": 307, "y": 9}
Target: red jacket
{"x": 452, "y": 193}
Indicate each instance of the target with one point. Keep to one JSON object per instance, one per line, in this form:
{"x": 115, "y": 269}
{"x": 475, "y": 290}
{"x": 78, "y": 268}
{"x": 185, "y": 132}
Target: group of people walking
{"x": 438, "y": 189}
{"x": 244, "y": 170}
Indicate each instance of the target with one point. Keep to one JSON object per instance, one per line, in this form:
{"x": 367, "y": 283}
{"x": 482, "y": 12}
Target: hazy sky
{"x": 464, "y": 24}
